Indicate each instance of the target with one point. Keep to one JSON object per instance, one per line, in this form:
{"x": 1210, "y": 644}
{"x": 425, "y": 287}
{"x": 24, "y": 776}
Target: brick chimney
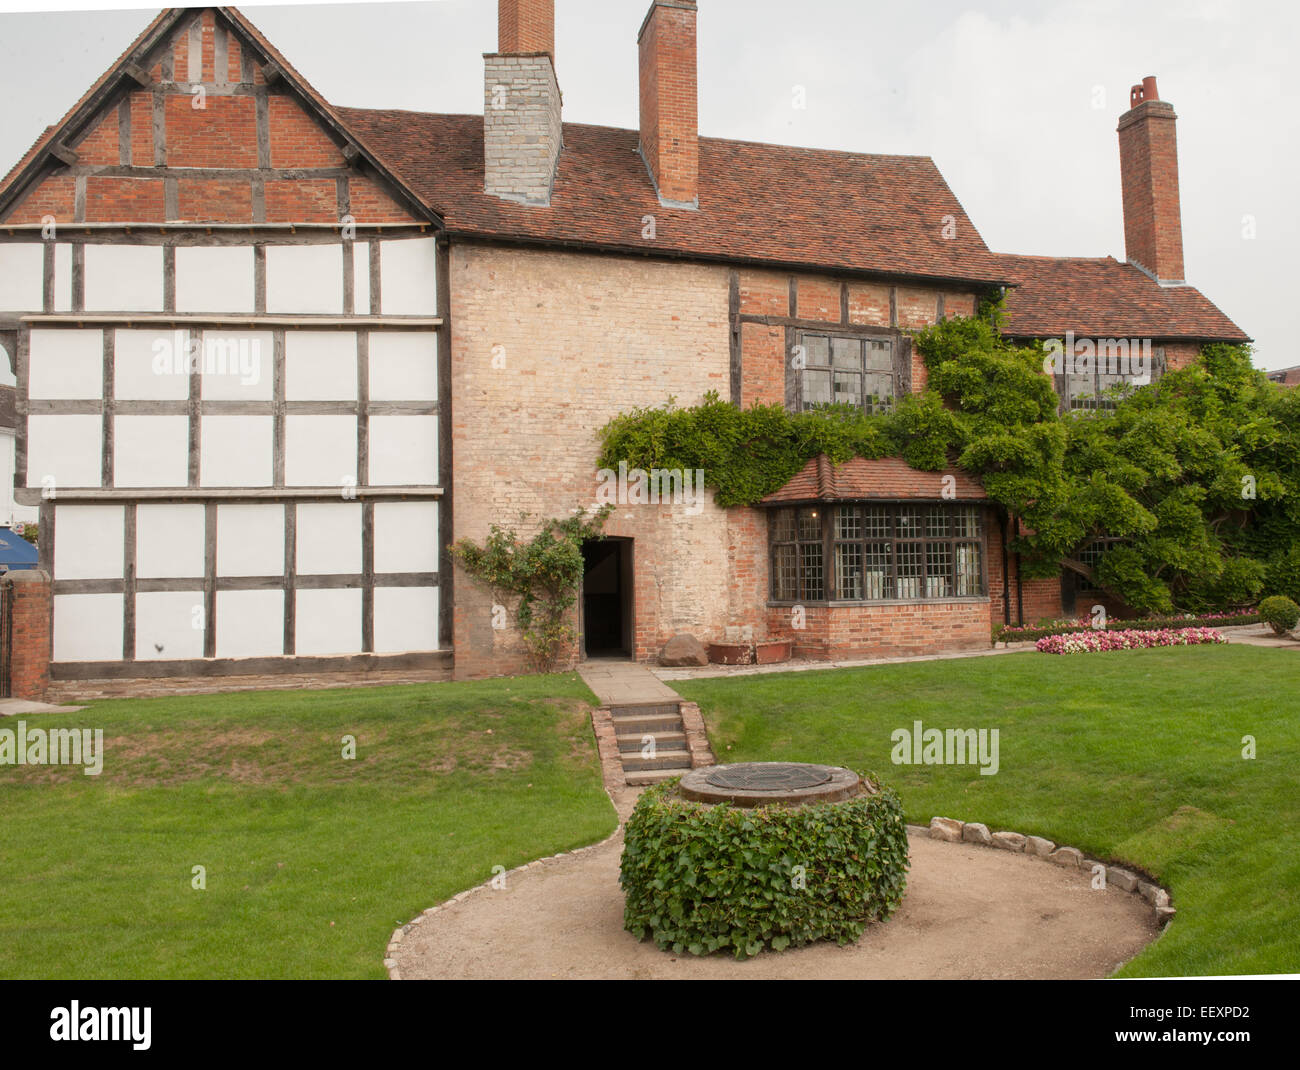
{"x": 1148, "y": 163}
{"x": 522, "y": 132}
{"x": 669, "y": 117}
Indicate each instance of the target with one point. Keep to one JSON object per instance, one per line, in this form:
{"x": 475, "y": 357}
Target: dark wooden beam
{"x": 62, "y": 153}
{"x": 138, "y": 74}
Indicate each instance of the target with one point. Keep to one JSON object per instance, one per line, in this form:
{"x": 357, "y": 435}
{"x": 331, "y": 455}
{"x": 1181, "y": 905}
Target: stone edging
{"x": 950, "y": 830}
{"x": 611, "y": 763}
{"x": 697, "y": 736}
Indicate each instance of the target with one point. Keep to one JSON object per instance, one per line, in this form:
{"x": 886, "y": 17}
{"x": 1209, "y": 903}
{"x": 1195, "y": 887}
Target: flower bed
{"x": 1133, "y": 639}
{"x": 1027, "y": 633}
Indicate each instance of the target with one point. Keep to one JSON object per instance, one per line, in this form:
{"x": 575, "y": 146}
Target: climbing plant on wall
{"x": 543, "y": 572}
{"x": 1193, "y": 481}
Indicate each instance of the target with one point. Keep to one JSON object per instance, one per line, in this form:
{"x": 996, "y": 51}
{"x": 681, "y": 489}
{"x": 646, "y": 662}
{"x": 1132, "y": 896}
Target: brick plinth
{"x": 29, "y": 659}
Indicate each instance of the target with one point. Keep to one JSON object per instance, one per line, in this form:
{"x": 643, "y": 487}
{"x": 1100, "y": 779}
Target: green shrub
{"x": 701, "y": 878}
{"x": 1279, "y": 613}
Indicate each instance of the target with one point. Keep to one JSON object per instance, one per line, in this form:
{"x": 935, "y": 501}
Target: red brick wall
{"x": 29, "y": 664}
{"x": 137, "y": 199}
{"x": 763, "y": 368}
{"x": 100, "y": 145}
{"x": 883, "y": 631}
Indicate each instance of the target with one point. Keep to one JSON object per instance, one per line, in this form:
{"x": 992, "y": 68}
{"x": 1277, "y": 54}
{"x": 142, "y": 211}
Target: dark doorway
{"x": 607, "y": 598}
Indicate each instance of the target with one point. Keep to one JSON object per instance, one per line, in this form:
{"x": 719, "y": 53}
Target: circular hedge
{"x": 700, "y": 877}
{"x": 1279, "y": 613}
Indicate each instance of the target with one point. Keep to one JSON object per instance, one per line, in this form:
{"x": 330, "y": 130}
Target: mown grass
{"x": 311, "y": 859}
{"x": 1133, "y": 756}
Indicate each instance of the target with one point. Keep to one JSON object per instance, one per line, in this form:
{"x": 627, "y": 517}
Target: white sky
{"x": 1001, "y": 93}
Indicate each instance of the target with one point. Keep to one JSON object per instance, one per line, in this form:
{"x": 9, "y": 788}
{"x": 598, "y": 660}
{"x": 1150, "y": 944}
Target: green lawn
{"x": 311, "y": 860}
{"x": 1133, "y": 756}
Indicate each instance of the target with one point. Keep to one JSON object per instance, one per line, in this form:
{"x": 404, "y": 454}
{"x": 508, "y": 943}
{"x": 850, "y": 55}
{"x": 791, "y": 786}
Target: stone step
{"x": 644, "y": 709}
{"x": 645, "y": 777}
{"x": 634, "y": 741}
{"x": 663, "y": 759}
{"x": 654, "y": 723}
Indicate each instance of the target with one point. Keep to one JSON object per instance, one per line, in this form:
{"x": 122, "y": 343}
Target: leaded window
{"x": 848, "y": 370}
{"x": 878, "y": 552}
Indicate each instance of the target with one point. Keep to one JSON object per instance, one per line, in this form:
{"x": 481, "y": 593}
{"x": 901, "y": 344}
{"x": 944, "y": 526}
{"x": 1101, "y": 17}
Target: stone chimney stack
{"x": 522, "y": 131}
{"x": 1148, "y": 164}
{"x": 670, "y": 137}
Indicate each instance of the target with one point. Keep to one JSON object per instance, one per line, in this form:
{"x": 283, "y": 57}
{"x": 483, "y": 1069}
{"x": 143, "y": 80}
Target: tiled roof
{"x": 1102, "y": 297}
{"x": 888, "y": 478}
{"x": 761, "y": 203}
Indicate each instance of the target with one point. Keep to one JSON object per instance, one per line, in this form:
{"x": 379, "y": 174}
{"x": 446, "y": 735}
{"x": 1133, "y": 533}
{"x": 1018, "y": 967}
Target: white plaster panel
{"x": 124, "y": 278}
{"x": 406, "y": 536}
{"x": 361, "y": 277}
{"x": 62, "y": 277}
{"x": 168, "y": 541}
{"x": 329, "y": 538}
{"x": 22, "y": 276}
{"x": 88, "y": 542}
{"x": 151, "y": 365}
{"x": 87, "y": 627}
{"x": 167, "y": 619}
{"x": 304, "y": 278}
{"x": 403, "y": 451}
{"x": 151, "y": 451}
{"x": 403, "y": 366}
{"x": 64, "y": 451}
{"x": 238, "y": 365}
{"x": 250, "y": 540}
{"x": 406, "y": 618}
{"x": 327, "y": 622}
{"x": 235, "y": 451}
{"x": 250, "y": 624}
{"x": 320, "y": 451}
{"x": 214, "y": 278}
{"x": 65, "y": 364}
{"x": 408, "y": 277}
{"x": 320, "y": 366}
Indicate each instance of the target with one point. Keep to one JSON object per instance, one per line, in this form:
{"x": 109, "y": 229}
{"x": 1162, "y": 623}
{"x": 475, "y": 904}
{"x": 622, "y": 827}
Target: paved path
{"x": 625, "y": 683}
{"x": 17, "y": 707}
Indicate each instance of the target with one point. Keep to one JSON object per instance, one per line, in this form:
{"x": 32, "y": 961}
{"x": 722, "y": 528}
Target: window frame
{"x": 922, "y": 542}
{"x": 900, "y": 363}
{"x": 1096, "y": 401}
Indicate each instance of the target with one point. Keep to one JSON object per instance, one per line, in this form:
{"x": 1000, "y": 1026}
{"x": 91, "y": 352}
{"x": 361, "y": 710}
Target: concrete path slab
{"x": 14, "y": 707}
{"x": 625, "y": 683}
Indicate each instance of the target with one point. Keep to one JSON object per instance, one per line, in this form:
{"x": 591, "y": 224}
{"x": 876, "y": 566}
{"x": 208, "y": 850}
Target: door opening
{"x": 607, "y": 598}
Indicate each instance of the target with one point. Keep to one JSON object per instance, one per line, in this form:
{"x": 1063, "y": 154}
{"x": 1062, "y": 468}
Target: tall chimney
{"x": 1148, "y": 163}
{"x": 522, "y": 131}
{"x": 670, "y": 140}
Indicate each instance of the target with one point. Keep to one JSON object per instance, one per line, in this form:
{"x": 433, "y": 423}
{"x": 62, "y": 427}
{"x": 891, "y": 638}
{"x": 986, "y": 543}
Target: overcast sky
{"x": 1016, "y": 100}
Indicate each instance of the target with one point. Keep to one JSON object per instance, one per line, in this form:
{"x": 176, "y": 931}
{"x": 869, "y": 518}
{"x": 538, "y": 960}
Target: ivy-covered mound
{"x": 701, "y": 878}
{"x": 1191, "y": 484}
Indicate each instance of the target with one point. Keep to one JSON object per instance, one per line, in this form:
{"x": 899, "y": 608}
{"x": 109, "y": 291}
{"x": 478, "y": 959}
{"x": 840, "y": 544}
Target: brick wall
{"x": 883, "y": 630}
{"x": 29, "y": 664}
{"x": 547, "y": 347}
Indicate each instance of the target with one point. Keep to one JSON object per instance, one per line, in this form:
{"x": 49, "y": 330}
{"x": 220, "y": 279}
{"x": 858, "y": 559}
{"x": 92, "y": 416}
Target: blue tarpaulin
{"x": 15, "y": 551}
